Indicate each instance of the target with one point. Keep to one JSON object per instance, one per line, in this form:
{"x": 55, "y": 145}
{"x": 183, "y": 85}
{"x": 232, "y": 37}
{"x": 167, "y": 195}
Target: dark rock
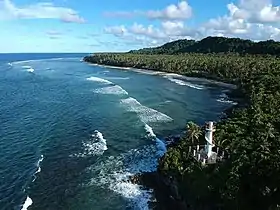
{"x": 165, "y": 190}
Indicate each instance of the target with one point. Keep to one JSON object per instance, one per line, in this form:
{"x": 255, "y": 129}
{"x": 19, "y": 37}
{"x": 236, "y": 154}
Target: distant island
{"x": 249, "y": 178}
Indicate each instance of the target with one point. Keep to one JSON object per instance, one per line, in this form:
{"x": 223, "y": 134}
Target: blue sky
{"x": 121, "y": 25}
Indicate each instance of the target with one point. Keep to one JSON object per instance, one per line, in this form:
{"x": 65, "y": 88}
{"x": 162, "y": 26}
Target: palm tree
{"x": 193, "y": 132}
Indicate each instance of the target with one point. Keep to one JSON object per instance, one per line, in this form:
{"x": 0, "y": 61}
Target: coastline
{"x": 165, "y": 187}
{"x": 194, "y": 78}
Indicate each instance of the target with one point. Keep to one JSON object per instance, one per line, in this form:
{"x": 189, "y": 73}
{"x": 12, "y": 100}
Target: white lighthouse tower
{"x": 209, "y": 139}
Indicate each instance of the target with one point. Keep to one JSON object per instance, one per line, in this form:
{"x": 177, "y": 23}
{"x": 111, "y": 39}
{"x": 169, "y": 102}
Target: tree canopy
{"x": 215, "y": 45}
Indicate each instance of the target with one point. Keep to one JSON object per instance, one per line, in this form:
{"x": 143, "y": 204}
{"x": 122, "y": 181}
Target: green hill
{"x": 215, "y": 45}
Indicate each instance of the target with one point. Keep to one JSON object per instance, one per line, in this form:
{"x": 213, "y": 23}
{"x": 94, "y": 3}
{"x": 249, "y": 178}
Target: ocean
{"x": 72, "y": 133}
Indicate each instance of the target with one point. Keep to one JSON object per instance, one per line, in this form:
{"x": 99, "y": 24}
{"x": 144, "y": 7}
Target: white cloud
{"x": 251, "y": 19}
{"x": 228, "y": 25}
{"x": 116, "y": 30}
{"x": 181, "y": 11}
{"x": 43, "y": 10}
{"x": 172, "y": 12}
{"x": 255, "y": 11}
{"x": 248, "y": 19}
{"x": 148, "y": 31}
{"x": 151, "y": 35}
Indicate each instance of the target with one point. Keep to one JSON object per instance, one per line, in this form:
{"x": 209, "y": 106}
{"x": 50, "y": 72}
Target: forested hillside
{"x": 215, "y": 45}
{"x": 249, "y": 178}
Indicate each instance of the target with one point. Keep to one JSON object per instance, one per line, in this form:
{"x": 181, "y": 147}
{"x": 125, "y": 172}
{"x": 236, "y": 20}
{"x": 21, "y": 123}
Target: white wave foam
{"x": 114, "y": 174}
{"x": 222, "y": 100}
{"x": 114, "y": 67}
{"x": 31, "y": 70}
{"x": 145, "y": 114}
{"x": 38, "y": 168}
{"x": 146, "y": 71}
{"x": 96, "y": 146}
{"x": 39, "y": 60}
{"x": 97, "y": 79}
{"x": 28, "y": 202}
{"x": 118, "y": 78}
{"x": 133, "y": 192}
{"x": 20, "y": 62}
{"x": 225, "y": 99}
{"x": 10, "y": 64}
{"x": 184, "y": 83}
{"x": 39, "y": 163}
{"x": 150, "y": 131}
{"x": 172, "y": 75}
{"x": 26, "y": 67}
{"x": 161, "y": 147}
{"x": 112, "y": 90}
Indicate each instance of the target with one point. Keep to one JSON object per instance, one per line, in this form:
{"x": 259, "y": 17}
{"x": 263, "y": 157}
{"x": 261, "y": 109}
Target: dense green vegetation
{"x": 250, "y": 178}
{"x": 215, "y": 45}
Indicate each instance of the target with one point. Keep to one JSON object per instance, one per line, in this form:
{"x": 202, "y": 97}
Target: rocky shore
{"x": 165, "y": 188}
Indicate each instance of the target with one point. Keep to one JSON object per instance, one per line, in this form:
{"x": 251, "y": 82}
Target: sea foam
{"x": 26, "y": 67}
{"x": 31, "y": 70}
{"x": 149, "y": 130}
{"x": 225, "y": 99}
{"x": 97, "y": 145}
{"x": 161, "y": 146}
{"x": 39, "y": 60}
{"x": 100, "y": 80}
{"x": 39, "y": 163}
{"x": 111, "y": 90}
{"x": 38, "y": 168}
{"x": 184, "y": 83}
{"x": 28, "y": 202}
{"x": 145, "y": 114}
{"x": 118, "y": 78}
{"x": 115, "y": 172}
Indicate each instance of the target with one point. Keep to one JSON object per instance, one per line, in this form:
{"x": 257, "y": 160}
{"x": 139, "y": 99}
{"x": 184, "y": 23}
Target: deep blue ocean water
{"x": 71, "y": 133}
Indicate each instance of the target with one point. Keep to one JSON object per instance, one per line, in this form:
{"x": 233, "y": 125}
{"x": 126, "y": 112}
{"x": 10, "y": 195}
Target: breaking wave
{"x": 38, "y": 167}
{"x": 150, "y": 132}
{"x": 112, "y": 90}
{"x": 31, "y": 70}
{"x": 145, "y": 114}
{"x": 100, "y": 80}
{"x": 47, "y": 59}
{"x": 118, "y": 78}
{"x": 26, "y": 67}
{"x": 28, "y": 202}
{"x": 184, "y": 83}
{"x": 39, "y": 162}
{"x": 161, "y": 147}
{"x": 225, "y": 99}
{"x": 114, "y": 174}
{"x": 97, "y": 145}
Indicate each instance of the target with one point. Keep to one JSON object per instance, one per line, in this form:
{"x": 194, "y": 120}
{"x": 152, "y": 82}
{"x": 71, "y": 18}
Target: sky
{"x": 121, "y": 25}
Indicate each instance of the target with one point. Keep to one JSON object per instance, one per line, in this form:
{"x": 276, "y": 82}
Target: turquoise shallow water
{"x": 71, "y": 133}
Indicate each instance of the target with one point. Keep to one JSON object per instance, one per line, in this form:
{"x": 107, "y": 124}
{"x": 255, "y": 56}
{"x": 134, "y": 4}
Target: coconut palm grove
{"x": 249, "y": 132}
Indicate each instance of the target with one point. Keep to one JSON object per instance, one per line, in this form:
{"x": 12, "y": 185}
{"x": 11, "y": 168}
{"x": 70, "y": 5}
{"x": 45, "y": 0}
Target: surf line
{"x": 38, "y": 167}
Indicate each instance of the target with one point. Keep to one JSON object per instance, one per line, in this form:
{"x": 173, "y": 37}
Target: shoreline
{"x": 164, "y": 73}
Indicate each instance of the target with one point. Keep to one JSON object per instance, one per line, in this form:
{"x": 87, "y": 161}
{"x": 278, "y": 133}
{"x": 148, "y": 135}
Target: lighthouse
{"x": 209, "y": 139}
